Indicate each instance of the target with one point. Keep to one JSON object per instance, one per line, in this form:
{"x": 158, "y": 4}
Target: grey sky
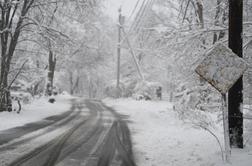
{"x": 112, "y": 7}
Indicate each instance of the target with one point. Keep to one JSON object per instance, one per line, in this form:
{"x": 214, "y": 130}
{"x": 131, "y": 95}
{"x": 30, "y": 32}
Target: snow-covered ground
{"x": 37, "y": 110}
{"x": 160, "y": 138}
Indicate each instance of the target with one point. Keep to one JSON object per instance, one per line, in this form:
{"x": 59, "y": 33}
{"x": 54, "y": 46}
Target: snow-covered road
{"x": 91, "y": 134}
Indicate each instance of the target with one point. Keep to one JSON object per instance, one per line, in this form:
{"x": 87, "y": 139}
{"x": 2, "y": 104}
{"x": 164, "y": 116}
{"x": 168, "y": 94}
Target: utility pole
{"x": 235, "y": 95}
{"x": 120, "y": 24}
{"x": 133, "y": 55}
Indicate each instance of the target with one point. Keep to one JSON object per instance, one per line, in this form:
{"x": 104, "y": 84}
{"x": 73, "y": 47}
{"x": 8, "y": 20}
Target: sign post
{"x": 226, "y": 127}
{"x": 222, "y": 68}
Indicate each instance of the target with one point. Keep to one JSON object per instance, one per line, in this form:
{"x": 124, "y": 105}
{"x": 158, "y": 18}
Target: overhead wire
{"x": 148, "y": 6}
{"x": 144, "y": 9}
{"x": 139, "y": 15}
{"x": 145, "y": 6}
{"x": 134, "y": 9}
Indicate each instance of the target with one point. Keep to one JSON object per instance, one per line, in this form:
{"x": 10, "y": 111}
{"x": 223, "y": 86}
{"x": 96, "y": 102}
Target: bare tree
{"x": 9, "y": 33}
{"x": 220, "y": 18}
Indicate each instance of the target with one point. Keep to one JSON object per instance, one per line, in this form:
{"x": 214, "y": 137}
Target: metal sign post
{"x": 226, "y": 127}
{"x": 222, "y": 68}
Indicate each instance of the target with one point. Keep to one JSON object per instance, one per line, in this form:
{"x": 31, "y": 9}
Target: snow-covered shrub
{"x": 25, "y": 97}
{"x": 112, "y": 91}
{"x": 20, "y": 91}
{"x": 130, "y": 85}
{"x": 200, "y": 106}
{"x": 202, "y": 97}
{"x": 146, "y": 90}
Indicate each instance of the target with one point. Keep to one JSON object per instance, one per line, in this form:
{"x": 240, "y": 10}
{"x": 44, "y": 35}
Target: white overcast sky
{"x": 112, "y": 6}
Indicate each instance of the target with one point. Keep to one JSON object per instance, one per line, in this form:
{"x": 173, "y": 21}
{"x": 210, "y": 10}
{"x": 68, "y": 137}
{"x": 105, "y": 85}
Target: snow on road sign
{"x": 221, "y": 68}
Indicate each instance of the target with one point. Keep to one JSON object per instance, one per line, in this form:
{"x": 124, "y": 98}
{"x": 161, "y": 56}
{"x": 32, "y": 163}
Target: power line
{"x": 145, "y": 6}
{"x": 134, "y": 21}
{"x": 139, "y": 14}
{"x": 148, "y": 6}
{"x": 134, "y": 9}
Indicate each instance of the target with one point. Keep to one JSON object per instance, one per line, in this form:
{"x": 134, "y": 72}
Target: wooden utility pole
{"x": 119, "y": 48}
{"x": 235, "y": 95}
{"x": 120, "y": 24}
{"x": 133, "y": 55}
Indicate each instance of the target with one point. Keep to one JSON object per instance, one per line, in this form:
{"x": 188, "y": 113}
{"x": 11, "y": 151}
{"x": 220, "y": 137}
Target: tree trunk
{"x": 74, "y": 83}
{"x": 216, "y": 20}
{"x": 219, "y": 13}
{"x": 90, "y": 89}
{"x": 200, "y": 14}
{"x": 50, "y": 75}
{"x": 199, "y": 4}
{"x": 71, "y": 82}
{"x": 5, "y": 98}
{"x": 235, "y": 95}
{"x": 8, "y": 40}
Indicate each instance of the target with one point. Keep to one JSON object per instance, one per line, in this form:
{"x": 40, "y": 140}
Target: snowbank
{"x": 37, "y": 110}
{"x": 161, "y": 139}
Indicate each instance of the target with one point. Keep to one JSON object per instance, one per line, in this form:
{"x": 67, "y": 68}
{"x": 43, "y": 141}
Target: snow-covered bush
{"x": 201, "y": 97}
{"x": 25, "y": 97}
{"x": 200, "y": 106}
{"x": 112, "y": 91}
{"x": 142, "y": 90}
{"x": 20, "y": 91}
{"x": 197, "y": 104}
{"x": 146, "y": 90}
{"x": 130, "y": 85}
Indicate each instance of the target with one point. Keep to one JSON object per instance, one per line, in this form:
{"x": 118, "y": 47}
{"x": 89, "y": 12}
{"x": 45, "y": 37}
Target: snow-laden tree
{"x": 14, "y": 19}
{"x": 89, "y": 56}
{"x": 33, "y": 36}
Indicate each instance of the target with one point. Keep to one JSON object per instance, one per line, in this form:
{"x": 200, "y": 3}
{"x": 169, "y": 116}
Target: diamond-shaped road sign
{"x": 221, "y": 68}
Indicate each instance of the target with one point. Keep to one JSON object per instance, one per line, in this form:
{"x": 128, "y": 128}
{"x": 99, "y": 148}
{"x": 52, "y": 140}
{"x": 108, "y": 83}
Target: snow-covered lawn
{"x": 37, "y": 110}
{"x": 160, "y": 138}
